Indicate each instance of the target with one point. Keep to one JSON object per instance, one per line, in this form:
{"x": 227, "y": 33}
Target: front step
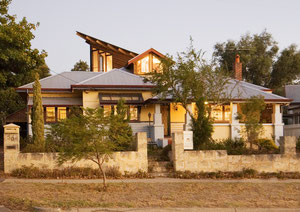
{"x": 159, "y": 168}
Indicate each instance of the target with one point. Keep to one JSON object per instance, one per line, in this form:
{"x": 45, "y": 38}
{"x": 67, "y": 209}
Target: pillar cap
{"x": 11, "y": 125}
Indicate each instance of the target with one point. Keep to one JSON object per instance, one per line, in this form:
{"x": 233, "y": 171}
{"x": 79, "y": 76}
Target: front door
{"x": 165, "y": 113}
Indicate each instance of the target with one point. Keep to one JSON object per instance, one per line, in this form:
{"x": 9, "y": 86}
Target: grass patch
{"x": 141, "y": 195}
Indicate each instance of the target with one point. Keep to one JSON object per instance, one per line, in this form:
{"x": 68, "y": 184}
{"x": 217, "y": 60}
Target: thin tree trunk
{"x": 104, "y": 175}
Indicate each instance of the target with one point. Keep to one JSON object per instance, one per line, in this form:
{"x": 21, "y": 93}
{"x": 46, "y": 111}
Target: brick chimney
{"x": 237, "y": 67}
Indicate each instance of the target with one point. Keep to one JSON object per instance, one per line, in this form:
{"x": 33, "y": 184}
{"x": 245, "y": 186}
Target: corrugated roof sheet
{"x": 240, "y": 90}
{"x": 115, "y": 77}
{"x": 293, "y": 92}
{"x": 64, "y": 80}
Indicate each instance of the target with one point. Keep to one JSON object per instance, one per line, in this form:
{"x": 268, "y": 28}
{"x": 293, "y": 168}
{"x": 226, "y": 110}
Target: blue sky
{"x": 161, "y": 24}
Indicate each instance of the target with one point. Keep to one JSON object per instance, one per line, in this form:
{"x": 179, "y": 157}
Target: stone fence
{"x": 219, "y": 160}
{"x": 130, "y": 161}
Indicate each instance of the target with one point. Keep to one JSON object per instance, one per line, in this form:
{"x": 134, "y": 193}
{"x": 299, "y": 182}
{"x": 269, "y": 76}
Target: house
{"x": 291, "y": 115}
{"x": 119, "y": 73}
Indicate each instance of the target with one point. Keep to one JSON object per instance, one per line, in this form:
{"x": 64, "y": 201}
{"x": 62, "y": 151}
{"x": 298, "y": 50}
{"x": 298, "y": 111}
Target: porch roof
{"x": 241, "y": 91}
{"x": 58, "y": 101}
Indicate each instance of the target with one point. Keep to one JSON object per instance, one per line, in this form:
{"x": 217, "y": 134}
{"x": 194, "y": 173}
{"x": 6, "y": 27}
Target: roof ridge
{"x": 247, "y": 86}
{"x": 79, "y": 83}
{"x": 39, "y": 80}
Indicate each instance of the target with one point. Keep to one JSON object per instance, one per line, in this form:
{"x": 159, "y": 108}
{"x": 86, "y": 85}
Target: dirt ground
{"x": 186, "y": 194}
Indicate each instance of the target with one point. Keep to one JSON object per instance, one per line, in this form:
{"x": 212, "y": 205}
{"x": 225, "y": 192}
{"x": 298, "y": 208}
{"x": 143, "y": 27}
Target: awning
{"x": 58, "y": 101}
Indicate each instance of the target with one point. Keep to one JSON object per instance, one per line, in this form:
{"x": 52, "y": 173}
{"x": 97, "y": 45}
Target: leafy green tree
{"x": 18, "y": 60}
{"x": 257, "y": 53}
{"x": 37, "y": 115}
{"x": 251, "y": 115}
{"x": 83, "y": 136}
{"x": 120, "y": 132}
{"x": 81, "y": 66}
{"x": 287, "y": 68}
{"x": 189, "y": 79}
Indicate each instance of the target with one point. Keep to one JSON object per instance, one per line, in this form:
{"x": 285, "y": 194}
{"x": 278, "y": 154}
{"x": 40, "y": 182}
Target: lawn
{"x": 196, "y": 194}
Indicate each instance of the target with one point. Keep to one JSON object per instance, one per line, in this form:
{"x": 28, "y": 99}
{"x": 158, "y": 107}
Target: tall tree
{"x": 18, "y": 60}
{"x": 81, "y": 66}
{"x": 120, "y": 132}
{"x": 251, "y": 114}
{"x": 37, "y": 117}
{"x": 257, "y": 53}
{"x": 84, "y": 136}
{"x": 286, "y": 69}
{"x": 189, "y": 79}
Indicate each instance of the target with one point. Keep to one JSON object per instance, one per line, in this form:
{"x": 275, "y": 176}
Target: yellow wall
{"x": 268, "y": 131}
{"x": 144, "y": 112}
{"x": 221, "y": 132}
{"x": 177, "y": 115}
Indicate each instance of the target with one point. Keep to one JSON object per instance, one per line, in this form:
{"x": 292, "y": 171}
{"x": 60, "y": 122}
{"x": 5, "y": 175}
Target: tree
{"x": 251, "y": 114}
{"x": 38, "y": 137}
{"x": 286, "y": 69}
{"x": 81, "y": 66}
{"x": 83, "y": 136}
{"x": 120, "y": 132}
{"x": 18, "y": 60}
{"x": 189, "y": 79}
{"x": 257, "y": 53}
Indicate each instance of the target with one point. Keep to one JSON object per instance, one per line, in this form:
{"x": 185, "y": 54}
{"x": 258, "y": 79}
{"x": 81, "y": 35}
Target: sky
{"x": 165, "y": 25}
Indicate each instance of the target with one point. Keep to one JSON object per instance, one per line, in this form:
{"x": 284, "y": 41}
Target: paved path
{"x": 154, "y": 180}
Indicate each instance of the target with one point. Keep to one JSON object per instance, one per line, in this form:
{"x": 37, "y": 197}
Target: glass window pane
{"x": 145, "y": 65}
{"x": 50, "y": 114}
{"x": 227, "y": 112}
{"x": 61, "y": 113}
{"x": 217, "y": 113}
{"x": 109, "y": 62}
{"x": 156, "y": 64}
{"x": 133, "y": 113}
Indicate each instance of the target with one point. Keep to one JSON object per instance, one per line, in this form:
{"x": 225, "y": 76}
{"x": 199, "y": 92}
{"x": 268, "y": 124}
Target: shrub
{"x": 235, "y": 146}
{"x": 298, "y": 145}
{"x": 165, "y": 152}
{"x": 266, "y": 145}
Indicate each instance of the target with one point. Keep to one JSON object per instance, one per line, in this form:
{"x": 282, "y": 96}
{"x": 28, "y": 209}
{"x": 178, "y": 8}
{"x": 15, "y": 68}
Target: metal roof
{"x": 293, "y": 92}
{"x": 115, "y": 77}
{"x": 63, "y": 80}
{"x": 239, "y": 91}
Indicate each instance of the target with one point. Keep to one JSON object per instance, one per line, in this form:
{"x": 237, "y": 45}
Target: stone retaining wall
{"x": 131, "y": 161}
{"x": 219, "y": 160}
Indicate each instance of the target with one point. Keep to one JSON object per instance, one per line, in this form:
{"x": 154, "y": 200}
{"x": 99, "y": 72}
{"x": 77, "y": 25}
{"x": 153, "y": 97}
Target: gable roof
{"x": 116, "y": 78}
{"x": 140, "y": 56}
{"x": 106, "y": 45}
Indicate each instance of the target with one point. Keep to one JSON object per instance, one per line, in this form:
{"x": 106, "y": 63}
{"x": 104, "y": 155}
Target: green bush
{"x": 298, "y": 145}
{"x": 235, "y": 146}
{"x": 266, "y": 144}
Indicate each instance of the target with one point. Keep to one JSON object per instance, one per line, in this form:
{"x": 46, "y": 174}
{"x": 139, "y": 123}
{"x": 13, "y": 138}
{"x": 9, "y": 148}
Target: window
{"x": 61, "y": 113}
{"x": 105, "y": 62}
{"x": 221, "y": 113}
{"x": 133, "y": 98}
{"x": 266, "y": 115}
{"x": 50, "y": 114}
{"x": 156, "y": 64}
{"x": 54, "y": 114}
{"x": 101, "y": 63}
{"x": 133, "y": 111}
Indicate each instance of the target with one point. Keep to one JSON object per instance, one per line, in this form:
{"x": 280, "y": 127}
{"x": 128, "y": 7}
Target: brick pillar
{"x": 11, "y": 146}
{"x": 178, "y": 151}
{"x": 142, "y": 150}
{"x": 288, "y": 145}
